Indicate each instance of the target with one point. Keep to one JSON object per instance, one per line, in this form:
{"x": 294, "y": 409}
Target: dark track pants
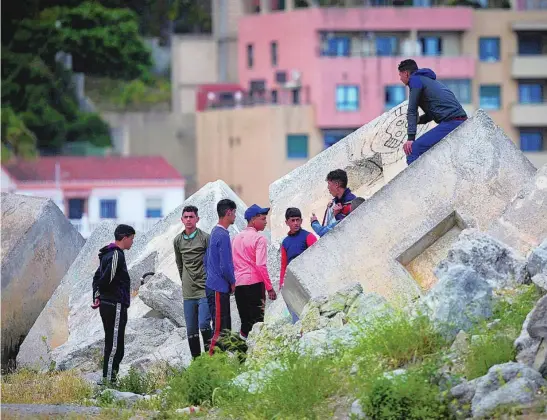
{"x": 250, "y": 302}
{"x": 219, "y": 305}
{"x": 427, "y": 140}
{"x": 114, "y": 317}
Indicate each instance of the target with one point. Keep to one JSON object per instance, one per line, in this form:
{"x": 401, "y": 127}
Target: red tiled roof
{"x": 92, "y": 168}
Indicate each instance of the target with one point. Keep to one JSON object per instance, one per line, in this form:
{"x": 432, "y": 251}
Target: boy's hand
{"x": 337, "y": 208}
{"x": 96, "y": 304}
{"x": 232, "y": 288}
{"x": 313, "y": 218}
{"x": 407, "y": 147}
{"x": 272, "y": 295}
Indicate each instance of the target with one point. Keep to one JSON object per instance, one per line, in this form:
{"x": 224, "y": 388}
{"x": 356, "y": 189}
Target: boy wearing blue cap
{"x": 250, "y": 251}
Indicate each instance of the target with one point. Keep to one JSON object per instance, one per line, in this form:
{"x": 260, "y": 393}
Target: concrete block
{"x": 406, "y": 228}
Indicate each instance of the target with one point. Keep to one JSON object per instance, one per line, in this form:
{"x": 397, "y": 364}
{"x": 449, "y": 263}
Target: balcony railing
{"x": 298, "y": 95}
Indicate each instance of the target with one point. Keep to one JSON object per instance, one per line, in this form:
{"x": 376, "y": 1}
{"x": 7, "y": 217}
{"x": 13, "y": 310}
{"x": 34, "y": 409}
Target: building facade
{"x": 137, "y": 191}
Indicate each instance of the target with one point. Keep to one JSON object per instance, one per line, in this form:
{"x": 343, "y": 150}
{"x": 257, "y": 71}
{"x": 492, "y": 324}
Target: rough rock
{"x": 540, "y": 361}
{"x": 368, "y": 306}
{"x": 460, "y": 297}
{"x": 38, "y": 246}
{"x": 391, "y": 243}
{"x": 500, "y": 265}
{"x": 164, "y": 296}
{"x": 523, "y": 224}
{"x": 525, "y": 345}
{"x": 356, "y": 411}
{"x": 462, "y": 395}
{"x": 327, "y": 340}
{"x": 537, "y": 265}
{"x": 129, "y": 398}
{"x": 159, "y": 339}
{"x": 537, "y": 325}
{"x": 509, "y": 383}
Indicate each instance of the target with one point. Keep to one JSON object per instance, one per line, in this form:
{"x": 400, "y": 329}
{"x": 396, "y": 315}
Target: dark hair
{"x": 224, "y": 205}
{"x": 339, "y": 176}
{"x": 292, "y": 212}
{"x": 122, "y": 231}
{"x": 408, "y": 65}
{"x": 190, "y": 209}
{"x": 356, "y": 202}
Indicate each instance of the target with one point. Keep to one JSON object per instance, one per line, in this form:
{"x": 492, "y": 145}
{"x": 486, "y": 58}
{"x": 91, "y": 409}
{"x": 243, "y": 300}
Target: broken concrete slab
{"x": 372, "y": 155}
{"x": 81, "y": 326}
{"x": 38, "y": 246}
{"x": 445, "y": 190}
{"x": 523, "y": 224}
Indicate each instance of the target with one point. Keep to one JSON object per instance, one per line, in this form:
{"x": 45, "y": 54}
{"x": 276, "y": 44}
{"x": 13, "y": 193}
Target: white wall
{"x": 53, "y": 194}
{"x": 131, "y": 202}
{"x": 5, "y": 182}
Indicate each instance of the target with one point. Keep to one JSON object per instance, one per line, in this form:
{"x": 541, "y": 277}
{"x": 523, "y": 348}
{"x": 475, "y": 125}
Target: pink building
{"x": 344, "y": 60}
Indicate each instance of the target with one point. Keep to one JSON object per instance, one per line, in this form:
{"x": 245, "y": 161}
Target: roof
{"x": 93, "y": 168}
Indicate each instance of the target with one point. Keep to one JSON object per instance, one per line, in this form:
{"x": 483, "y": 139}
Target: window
{"x": 386, "y": 46}
{"x": 153, "y": 207}
{"x": 107, "y": 209}
{"x": 489, "y": 49}
{"x": 274, "y": 96}
{"x": 490, "y": 97}
{"x": 530, "y": 44}
{"x": 461, "y": 88}
{"x": 394, "y": 95}
{"x": 531, "y": 141}
{"x": 347, "y": 98}
{"x": 431, "y": 45}
{"x": 273, "y": 53}
{"x": 297, "y": 146}
{"x": 331, "y": 137}
{"x": 421, "y": 3}
{"x": 250, "y": 56}
{"x": 76, "y": 208}
{"x": 530, "y": 93}
{"x": 337, "y": 46}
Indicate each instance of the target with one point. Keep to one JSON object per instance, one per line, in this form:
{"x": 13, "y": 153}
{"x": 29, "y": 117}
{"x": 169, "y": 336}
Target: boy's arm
{"x": 96, "y": 277}
{"x": 321, "y": 230}
{"x": 311, "y": 239}
{"x": 106, "y": 272}
{"x": 261, "y": 261}
{"x": 178, "y": 256}
{"x": 424, "y": 119}
{"x": 226, "y": 261}
{"x": 415, "y": 85}
{"x": 283, "y": 266}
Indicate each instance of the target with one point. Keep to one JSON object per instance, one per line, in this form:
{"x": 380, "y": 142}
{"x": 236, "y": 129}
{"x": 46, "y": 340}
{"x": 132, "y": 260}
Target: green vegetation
{"x": 302, "y": 386}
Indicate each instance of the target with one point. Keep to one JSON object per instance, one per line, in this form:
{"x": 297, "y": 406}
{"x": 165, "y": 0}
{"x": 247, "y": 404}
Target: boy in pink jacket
{"x": 250, "y": 250}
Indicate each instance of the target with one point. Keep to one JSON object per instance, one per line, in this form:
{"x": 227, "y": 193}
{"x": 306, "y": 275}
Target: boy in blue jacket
{"x": 322, "y": 230}
{"x": 221, "y": 280}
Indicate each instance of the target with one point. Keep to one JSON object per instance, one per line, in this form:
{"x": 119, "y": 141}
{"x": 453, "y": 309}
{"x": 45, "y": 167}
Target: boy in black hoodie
{"x": 111, "y": 288}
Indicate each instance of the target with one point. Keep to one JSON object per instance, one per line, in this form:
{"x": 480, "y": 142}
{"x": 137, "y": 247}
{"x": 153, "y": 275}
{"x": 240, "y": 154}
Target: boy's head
{"x": 293, "y": 219}
{"x": 226, "y": 210}
{"x": 356, "y": 202}
{"x": 406, "y": 68}
{"x": 190, "y": 217}
{"x": 337, "y": 182}
{"x": 124, "y": 235}
{"x": 256, "y": 217}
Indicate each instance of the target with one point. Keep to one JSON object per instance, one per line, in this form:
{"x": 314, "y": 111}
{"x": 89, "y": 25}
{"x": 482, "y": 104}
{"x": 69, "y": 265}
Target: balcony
{"x": 529, "y": 67}
{"x": 297, "y": 95}
{"x": 529, "y": 115}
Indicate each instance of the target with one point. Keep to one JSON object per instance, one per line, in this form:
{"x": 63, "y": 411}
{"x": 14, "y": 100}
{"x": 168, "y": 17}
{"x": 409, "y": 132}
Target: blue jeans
{"x": 293, "y": 315}
{"x": 426, "y": 141}
{"x": 197, "y": 315}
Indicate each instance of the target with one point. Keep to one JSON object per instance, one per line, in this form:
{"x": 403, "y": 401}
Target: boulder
{"x": 537, "y": 265}
{"x": 509, "y": 383}
{"x": 153, "y": 331}
{"x": 460, "y": 298}
{"x": 38, "y": 246}
{"x": 525, "y": 345}
{"x": 164, "y": 296}
{"x": 393, "y": 241}
{"x": 372, "y": 155}
{"x": 498, "y": 264}
{"x": 523, "y": 224}
{"x": 537, "y": 325}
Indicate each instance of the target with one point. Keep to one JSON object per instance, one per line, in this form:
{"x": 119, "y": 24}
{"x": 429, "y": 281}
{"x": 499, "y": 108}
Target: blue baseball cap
{"x": 255, "y": 210}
